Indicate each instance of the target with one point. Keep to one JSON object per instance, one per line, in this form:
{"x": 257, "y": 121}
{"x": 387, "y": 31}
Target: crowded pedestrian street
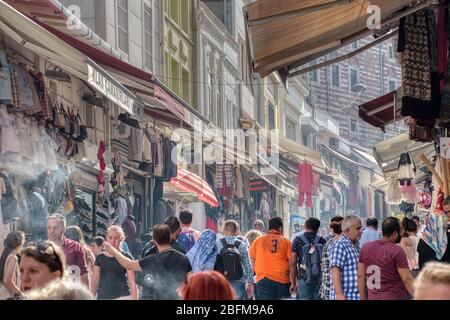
{"x": 230, "y": 150}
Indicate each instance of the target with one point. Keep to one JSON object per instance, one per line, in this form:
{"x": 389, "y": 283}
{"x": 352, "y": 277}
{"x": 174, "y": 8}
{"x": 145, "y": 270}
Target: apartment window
{"x": 354, "y": 80}
{"x": 186, "y": 85}
{"x": 122, "y": 14}
{"x": 167, "y": 67}
{"x": 174, "y": 10}
{"x": 290, "y": 130}
{"x": 148, "y": 40}
{"x": 392, "y": 85}
{"x": 354, "y": 125}
{"x": 235, "y": 117}
{"x": 210, "y": 96}
{"x": 305, "y": 140}
{"x": 391, "y": 52}
{"x": 355, "y": 45}
{"x": 185, "y": 15}
{"x": 222, "y": 9}
{"x": 271, "y": 116}
{"x": 175, "y": 76}
{"x": 335, "y": 76}
{"x": 313, "y": 75}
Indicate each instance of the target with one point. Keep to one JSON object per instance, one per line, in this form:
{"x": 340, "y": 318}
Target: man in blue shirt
{"x": 370, "y": 233}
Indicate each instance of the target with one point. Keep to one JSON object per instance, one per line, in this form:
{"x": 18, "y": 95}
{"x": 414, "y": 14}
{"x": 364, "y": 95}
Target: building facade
{"x": 340, "y": 88}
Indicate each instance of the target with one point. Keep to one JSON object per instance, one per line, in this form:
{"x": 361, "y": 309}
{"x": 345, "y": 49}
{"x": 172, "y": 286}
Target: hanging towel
{"x": 305, "y": 181}
{"x": 393, "y": 194}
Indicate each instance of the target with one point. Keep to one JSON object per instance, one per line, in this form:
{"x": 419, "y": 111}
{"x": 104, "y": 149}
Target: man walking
{"x": 306, "y": 261}
{"x": 233, "y": 260}
{"x": 163, "y": 271}
{"x": 344, "y": 254}
{"x": 174, "y": 226}
{"x": 270, "y": 256}
{"x": 371, "y": 232}
{"x": 383, "y": 270}
{"x": 188, "y": 236}
{"x": 259, "y": 225}
{"x": 74, "y": 252}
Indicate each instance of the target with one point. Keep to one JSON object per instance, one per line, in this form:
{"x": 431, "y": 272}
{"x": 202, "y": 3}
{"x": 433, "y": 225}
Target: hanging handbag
{"x": 59, "y": 118}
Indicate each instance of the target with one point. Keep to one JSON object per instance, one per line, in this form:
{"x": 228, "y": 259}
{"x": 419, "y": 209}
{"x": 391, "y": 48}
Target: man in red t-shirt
{"x": 383, "y": 271}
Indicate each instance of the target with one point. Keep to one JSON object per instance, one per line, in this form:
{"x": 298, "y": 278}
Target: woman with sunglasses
{"x": 9, "y": 266}
{"x": 111, "y": 281}
{"x": 41, "y": 264}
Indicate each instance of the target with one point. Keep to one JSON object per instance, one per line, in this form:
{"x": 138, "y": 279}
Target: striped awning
{"x": 190, "y": 182}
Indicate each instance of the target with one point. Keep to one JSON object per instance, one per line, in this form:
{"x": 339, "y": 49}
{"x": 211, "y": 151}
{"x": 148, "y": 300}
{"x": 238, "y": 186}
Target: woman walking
{"x": 9, "y": 266}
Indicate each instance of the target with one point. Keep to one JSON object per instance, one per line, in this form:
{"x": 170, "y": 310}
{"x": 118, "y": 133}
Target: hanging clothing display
{"x": 135, "y": 150}
{"x": 393, "y": 194}
{"x": 5, "y": 79}
{"x": 353, "y": 196}
{"x": 239, "y": 183}
{"x": 406, "y": 168}
{"x": 409, "y": 193}
{"x": 436, "y": 230}
{"x": 305, "y": 182}
{"x": 420, "y": 79}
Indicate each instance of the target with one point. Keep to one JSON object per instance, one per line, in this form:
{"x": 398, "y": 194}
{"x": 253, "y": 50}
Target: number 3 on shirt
{"x": 274, "y": 246}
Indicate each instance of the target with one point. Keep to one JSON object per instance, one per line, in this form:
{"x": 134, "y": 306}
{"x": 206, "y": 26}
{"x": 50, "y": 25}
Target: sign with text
{"x": 110, "y": 88}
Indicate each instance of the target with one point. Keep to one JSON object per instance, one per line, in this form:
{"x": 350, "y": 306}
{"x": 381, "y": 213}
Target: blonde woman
{"x": 111, "y": 281}
{"x": 433, "y": 282}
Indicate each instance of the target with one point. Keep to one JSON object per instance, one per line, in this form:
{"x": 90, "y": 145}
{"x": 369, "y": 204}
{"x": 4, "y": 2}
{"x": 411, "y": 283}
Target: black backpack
{"x": 229, "y": 261}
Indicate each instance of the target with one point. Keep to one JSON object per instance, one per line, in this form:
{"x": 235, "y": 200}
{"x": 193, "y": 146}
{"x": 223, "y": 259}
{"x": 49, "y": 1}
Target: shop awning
{"x": 57, "y": 51}
{"x": 345, "y": 158}
{"x": 387, "y": 153}
{"x": 287, "y": 34}
{"x": 190, "y": 182}
{"x": 380, "y": 112}
{"x": 294, "y": 151}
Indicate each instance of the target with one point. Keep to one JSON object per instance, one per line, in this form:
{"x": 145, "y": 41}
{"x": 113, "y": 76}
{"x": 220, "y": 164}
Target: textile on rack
{"x": 305, "y": 182}
{"x": 444, "y": 67}
{"x": 409, "y": 193}
{"x": 420, "y": 79}
{"x": 135, "y": 149}
{"x": 436, "y": 233}
{"x": 316, "y": 184}
{"x": 393, "y": 194}
{"x": 239, "y": 183}
{"x": 246, "y": 184}
{"x": 406, "y": 168}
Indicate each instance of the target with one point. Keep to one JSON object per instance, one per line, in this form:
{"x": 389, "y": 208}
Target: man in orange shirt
{"x": 270, "y": 255}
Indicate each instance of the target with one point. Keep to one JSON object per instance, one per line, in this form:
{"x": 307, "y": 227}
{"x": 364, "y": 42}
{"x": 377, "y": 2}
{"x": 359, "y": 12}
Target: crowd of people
{"x": 350, "y": 263}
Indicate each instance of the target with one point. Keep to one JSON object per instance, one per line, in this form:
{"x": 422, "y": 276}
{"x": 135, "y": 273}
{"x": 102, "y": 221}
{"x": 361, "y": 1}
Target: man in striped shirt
{"x": 344, "y": 255}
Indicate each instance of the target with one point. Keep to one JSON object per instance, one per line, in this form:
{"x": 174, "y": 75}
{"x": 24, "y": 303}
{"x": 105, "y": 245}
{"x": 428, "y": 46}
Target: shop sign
{"x": 258, "y": 185}
{"x": 111, "y": 88}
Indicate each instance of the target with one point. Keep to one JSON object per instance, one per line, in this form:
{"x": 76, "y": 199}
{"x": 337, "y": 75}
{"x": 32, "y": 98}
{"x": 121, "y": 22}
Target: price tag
{"x": 311, "y": 251}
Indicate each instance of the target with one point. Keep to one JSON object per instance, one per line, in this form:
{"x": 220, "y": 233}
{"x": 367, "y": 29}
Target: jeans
{"x": 272, "y": 290}
{"x": 239, "y": 288}
{"x": 308, "y": 291}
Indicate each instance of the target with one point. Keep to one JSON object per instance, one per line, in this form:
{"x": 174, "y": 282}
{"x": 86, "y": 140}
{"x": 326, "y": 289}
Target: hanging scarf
{"x": 436, "y": 233}
{"x": 203, "y": 254}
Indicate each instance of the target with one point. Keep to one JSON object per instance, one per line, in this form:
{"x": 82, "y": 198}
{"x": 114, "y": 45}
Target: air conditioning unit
{"x": 121, "y": 131}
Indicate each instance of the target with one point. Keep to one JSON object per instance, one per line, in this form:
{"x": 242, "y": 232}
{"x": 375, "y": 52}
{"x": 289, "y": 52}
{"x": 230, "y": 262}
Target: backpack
{"x": 229, "y": 260}
{"x": 311, "y": 262}
{"x": 186, "y": 239}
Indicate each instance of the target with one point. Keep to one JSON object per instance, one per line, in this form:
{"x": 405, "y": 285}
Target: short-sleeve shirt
{"x": 382, "y": 259}
{"x": 162, "y": 274}
{"x": 271, "y": 254}
{"x": 344, "y": 255}
{"x": 113, "y": 281}
{"x": 75, "y": 258}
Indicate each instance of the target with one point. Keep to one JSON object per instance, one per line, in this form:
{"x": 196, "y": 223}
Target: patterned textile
{"x": 436, "y": 232}
{"x": 344, "y": 254}
{"x": 203, "y": 254}
{"x": 45, "y": 99}
{"x": 15, "y": 95}
{"x": 418, "y": 43}
{"x": 325, "y": 285}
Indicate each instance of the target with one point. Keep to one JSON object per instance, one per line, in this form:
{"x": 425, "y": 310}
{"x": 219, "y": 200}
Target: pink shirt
{"x": 382, "y": 259}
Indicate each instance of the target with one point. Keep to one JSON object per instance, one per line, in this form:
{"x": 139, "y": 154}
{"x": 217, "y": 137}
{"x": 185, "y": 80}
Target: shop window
{"x": 148, "y": 44}
{"x": 122, "y": 14}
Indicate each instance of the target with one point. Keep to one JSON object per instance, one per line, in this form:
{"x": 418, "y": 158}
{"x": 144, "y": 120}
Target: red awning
{"x": 380, "y": 112}
{"x": 190, "y": 182}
